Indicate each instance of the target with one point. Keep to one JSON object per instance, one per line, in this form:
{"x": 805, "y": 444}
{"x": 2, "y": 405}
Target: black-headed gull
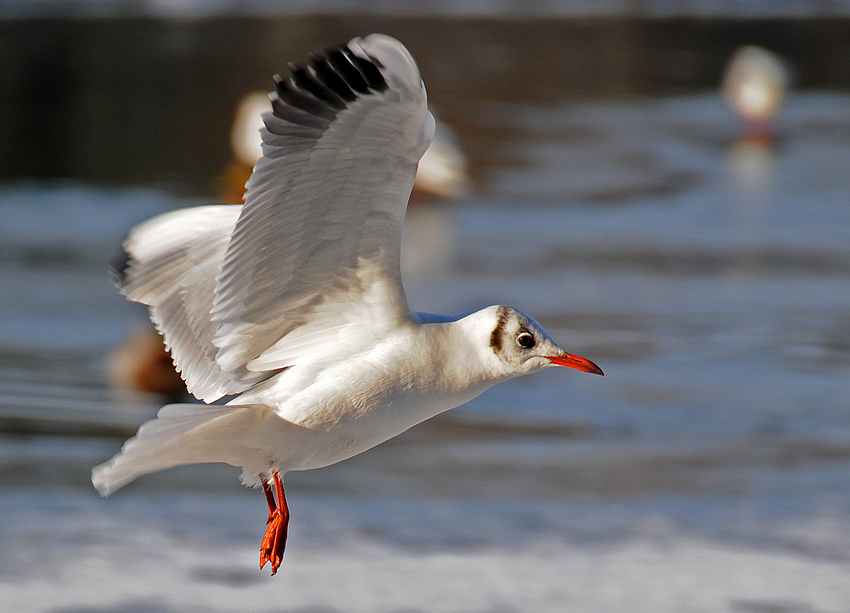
{"x": 293, "y": 302}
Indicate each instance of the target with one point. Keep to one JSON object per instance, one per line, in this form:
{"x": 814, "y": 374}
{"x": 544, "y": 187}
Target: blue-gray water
{"x": 707, "y": 471}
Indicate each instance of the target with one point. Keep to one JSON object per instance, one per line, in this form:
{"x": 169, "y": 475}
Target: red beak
{"x": 573, "y": 361}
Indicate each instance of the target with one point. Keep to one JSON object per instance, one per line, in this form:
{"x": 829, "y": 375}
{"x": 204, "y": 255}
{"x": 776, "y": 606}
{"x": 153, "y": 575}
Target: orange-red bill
{"x": 573, "y": 361}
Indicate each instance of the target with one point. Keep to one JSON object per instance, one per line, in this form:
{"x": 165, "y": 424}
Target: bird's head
{"x": 518, "y": 345}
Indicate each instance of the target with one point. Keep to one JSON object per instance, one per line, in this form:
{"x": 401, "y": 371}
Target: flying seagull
{"x": 292, "y": 305}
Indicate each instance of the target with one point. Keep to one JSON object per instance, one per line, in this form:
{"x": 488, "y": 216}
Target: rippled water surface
{"x": 707, "y": 471}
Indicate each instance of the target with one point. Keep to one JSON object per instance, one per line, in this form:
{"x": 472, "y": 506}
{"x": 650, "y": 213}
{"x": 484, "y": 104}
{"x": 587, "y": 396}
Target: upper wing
{"x": 316, "y": 247}
{"x": 310, "y": 264}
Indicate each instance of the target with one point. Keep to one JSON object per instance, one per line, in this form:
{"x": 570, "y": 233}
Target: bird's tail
{"x": 180, "y": 434}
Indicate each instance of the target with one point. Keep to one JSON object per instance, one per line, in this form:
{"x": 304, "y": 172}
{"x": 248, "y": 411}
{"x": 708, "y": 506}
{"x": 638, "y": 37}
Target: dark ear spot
{"x": 499, "y": 331}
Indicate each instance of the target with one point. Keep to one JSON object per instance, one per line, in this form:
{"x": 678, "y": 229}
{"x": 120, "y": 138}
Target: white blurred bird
{"x": 292, "y": 304}
{"x": 754, "y": 85}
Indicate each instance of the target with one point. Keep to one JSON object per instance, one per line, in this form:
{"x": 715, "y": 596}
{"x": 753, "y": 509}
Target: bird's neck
{"x": 456, "y": 357}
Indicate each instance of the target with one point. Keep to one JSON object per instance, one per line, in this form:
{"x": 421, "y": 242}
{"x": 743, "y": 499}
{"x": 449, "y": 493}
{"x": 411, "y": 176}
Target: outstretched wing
{"x": 312, "y": 264}
{"x": 320, "y": 231}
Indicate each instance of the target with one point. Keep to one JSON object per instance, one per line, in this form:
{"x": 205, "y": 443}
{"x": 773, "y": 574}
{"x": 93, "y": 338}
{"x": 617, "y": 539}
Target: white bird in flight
{"x": 292, "y": 304}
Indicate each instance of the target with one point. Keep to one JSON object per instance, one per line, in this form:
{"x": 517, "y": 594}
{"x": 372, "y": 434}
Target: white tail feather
{"x": 180, "y": 434}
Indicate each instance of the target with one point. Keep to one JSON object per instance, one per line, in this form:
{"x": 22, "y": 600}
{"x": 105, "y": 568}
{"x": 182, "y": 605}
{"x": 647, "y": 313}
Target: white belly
{"x": 338, "y": 411}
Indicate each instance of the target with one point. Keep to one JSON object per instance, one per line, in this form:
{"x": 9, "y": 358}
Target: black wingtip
{"x": 289, "y": 92}
{"x": 370, "y": 69}
{"x": 307, "y": 79}
{"x": 314, "y": 93}
{"x": 118, "y": 267}
{"x": 338, "y": 59}
{"x": 329, "y": 77}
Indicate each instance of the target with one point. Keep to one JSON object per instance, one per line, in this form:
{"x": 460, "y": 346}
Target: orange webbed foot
{"x": 274, "y": 540}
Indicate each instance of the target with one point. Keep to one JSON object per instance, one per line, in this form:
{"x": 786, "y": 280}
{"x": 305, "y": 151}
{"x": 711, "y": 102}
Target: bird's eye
{"x": 525, "y": 340}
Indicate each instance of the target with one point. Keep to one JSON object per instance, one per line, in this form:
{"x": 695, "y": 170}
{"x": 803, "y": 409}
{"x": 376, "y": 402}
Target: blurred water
{"x": 708, "y": 471}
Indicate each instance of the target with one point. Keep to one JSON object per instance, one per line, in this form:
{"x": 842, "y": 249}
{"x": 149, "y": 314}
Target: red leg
{"x": 274, "y": 541}
{"x": 267, "y": 490}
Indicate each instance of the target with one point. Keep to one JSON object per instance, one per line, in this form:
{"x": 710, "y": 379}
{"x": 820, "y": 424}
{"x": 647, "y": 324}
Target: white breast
{"x": 365, "y": 399}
